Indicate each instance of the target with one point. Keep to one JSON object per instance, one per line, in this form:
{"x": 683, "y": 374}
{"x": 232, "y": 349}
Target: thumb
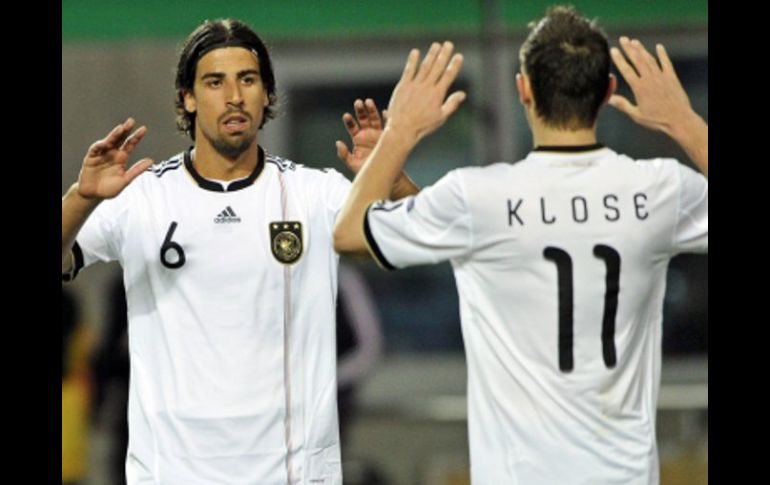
{"x": 342, "y": 151}
{"x": 137, "y": 168}
{"x": 452, "y": 103}
{"x": 622, "y": 104}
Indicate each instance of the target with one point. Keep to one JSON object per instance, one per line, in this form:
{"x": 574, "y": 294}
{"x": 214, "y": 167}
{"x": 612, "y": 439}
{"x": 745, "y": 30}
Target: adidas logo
{"x": 227, "y": 215}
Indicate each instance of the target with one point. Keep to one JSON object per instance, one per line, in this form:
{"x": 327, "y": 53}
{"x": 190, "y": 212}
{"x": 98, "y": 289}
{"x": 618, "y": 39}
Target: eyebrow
{"x": 247, "y": 72}
{"x": 239, "y": 75}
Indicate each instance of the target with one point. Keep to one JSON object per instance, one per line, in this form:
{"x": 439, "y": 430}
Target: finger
{"x": 633, "y": 50}
{"x": 137, "y": 168}
{"x": 452, "y": 70}
{"x": 373, "y": 115}
{"x": 98, "y": 147}
{"x": 665, "y": 61}
{"x": 342, "y": 151}
{"x": 361, "y": 114}
{"x": 626, "y": 70}
{"x": 427, "y": 63}
{"x": 452, "y": 103}
{"x": 350, "y": 124}
{"x": 118, "y": 135}
{"x": 410, "y": 68}
{"x": 623, "y": 105}
{"x": 442, "y": 60}
{"x": 649, "y": 61}
{"x": 134, "y": 139}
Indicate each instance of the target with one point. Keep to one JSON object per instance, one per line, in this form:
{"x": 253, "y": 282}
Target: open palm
{"x": 364, "y": 130}
{"x": 105, "y": 172}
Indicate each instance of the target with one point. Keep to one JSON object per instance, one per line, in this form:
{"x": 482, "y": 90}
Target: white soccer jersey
{"x": 231, "y": 293}
{"x": 560, "y": 262}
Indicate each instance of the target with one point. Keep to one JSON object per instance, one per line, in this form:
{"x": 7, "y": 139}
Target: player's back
{"x": 561, "y": 300}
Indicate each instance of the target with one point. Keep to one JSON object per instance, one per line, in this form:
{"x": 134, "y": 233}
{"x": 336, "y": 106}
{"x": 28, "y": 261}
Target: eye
{"x": 213, "y": 83}
{"x": 249, "y": 80}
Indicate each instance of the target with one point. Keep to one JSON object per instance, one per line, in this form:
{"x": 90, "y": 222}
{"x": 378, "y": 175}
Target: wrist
{"x": 690, "y": 126}
{"x": 401, "y": 135}
{"x": 78, "y": 199}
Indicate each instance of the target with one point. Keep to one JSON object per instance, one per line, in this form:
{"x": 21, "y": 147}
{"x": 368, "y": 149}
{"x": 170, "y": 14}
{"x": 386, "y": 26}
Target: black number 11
{"x": 563, "y": 263}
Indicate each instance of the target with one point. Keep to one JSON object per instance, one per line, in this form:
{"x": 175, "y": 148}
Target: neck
{"x": 543, "y": 135}
{"x": 212, "y": 164}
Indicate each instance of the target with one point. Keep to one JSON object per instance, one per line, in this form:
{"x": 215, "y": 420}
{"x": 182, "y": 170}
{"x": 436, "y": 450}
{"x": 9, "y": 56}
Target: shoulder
{"x": 480, "y": 175}
{"x": 298, "y": 171}
{"x": 156, "y": 178}
{"x": 280, "y": 163}
{"x": 491, "y": 170}
{"x": 669, "y": 170}
{"x": 159, "y": 169}
{"x": 658, "y": 164}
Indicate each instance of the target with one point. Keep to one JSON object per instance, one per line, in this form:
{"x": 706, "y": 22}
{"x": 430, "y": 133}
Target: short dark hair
{"x": 567, "y": 60}
{"x": 213, "y": 34}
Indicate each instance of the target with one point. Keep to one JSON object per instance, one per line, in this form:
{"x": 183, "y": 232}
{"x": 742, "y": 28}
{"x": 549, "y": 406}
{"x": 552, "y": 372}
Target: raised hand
{"x": 660, "y": 98}
{"x": 661, "y": 102}
{"x": 419, "y": 104}
{"x": 364, "y": 130}
{"x": 105, "y": 171}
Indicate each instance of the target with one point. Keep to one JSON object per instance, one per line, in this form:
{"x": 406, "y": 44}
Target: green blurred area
{"x": 84, "y": 20}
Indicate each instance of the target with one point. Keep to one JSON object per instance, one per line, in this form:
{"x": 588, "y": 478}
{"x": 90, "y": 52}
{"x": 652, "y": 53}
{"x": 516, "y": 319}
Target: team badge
{"x": 286, "y": 241}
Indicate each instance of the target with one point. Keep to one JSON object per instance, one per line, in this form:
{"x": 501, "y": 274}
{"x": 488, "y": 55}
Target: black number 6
{"x": 169, "y": 245}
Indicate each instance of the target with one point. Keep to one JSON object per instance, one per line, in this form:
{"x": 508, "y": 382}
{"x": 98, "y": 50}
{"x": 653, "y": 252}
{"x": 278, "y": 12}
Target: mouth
{"x": 235, "y": 122}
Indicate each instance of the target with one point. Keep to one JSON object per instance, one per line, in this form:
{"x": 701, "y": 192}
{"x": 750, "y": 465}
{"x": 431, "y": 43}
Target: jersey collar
{"x": 568, "y": 148}
{"x": 213, "y": 186}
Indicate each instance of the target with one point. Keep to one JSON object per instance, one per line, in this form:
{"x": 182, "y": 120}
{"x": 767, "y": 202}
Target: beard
{"x": 231, "y": 148}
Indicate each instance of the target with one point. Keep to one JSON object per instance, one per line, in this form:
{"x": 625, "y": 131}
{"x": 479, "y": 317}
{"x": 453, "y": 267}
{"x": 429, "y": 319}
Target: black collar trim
{"x": 207, "y": 184}
{"x": 567, "y": 148}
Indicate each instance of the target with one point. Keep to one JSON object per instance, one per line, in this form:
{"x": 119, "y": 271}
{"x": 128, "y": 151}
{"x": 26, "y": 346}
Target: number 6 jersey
{"x": 560, "y": 262}
{"x": 231, "y": 291}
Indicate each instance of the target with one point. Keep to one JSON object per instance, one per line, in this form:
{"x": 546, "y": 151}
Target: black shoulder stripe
{"x": 386, "y": 206}
{"x": 165, "y": 167}
{"x": 171, "y": 161}
{"x": 281, "y": 163}
{"x": 374, "y": 248}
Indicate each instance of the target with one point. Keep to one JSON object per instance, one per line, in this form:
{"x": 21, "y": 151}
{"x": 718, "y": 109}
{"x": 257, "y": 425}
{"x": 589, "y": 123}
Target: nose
{"x": 233, "y": 94}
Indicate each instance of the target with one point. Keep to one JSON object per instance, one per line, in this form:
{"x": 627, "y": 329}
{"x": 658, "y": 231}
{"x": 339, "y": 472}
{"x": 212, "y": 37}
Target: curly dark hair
{"x": 567, "y": 60}
{"x": 213, "y": 34}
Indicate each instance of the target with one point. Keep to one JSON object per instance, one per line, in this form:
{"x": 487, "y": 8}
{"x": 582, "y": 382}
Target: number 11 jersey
{"x": 560, "y": 262}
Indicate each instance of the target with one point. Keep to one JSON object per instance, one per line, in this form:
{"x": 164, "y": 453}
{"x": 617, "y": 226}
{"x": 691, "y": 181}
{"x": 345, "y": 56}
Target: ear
{"x": 190, "y": 104}
{"x": 611, "y": 87}
{"x": 524, "y": 88}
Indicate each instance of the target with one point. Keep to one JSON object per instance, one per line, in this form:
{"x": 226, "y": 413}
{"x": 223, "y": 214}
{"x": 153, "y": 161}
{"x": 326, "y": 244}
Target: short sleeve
{"x": 692, "y": 227}
{"x": 100, "y": 238}
{"x": 427, "y": 228}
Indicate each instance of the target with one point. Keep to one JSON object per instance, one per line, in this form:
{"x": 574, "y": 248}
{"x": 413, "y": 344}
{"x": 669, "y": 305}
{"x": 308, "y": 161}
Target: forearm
{"x": 374, "y": 182}
{"x": 692, "y": 134}
{"x": 75, "y": 210}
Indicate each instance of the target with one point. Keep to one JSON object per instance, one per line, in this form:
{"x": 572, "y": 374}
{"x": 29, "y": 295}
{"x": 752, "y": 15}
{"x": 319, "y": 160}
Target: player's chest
{"x": 231, "y": 234}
